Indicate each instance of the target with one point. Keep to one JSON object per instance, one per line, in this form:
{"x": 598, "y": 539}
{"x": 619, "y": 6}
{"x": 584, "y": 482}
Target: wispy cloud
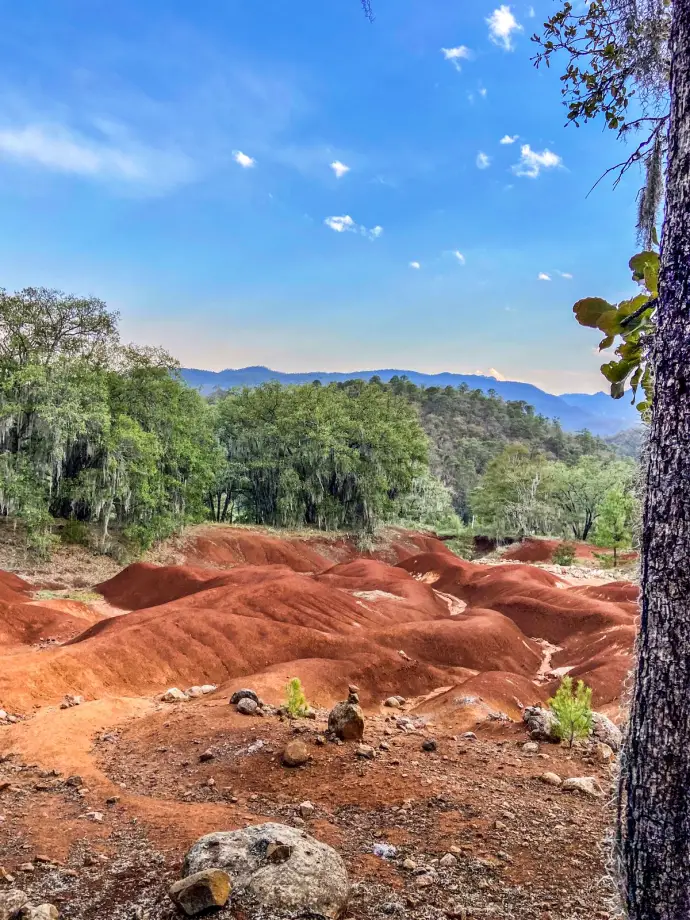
{"x": 509, "y": 138}
{"x": 246, "y": 162}
{"x": 502, "y": 24}
{"x": 532, "y": 162}
{"x": 415, "y": 265}
{"x": 346, "y": 224}
{"x": 110, "y": 155}
{"x": 542, "y": 276}
{"x": 566, "y": 275}
{"x": 455, "y": 55}
{"x": 483, "y": 161}
{"x": 339, "y": 169}
{"x": 459, "y": 256}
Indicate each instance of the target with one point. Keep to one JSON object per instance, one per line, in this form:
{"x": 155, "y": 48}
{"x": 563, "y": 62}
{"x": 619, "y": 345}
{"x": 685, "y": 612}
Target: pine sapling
{"x": 296, "y": 702}
{"x": 572, "y": 707}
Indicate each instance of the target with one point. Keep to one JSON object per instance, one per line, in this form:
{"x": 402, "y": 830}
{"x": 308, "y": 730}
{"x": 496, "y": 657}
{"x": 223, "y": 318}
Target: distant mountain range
{"x": 575, "y": 411}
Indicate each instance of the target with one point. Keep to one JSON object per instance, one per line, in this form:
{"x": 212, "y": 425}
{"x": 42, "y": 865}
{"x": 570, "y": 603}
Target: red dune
{"x": 537, "y": 550}
{"x": 256, "y": 609}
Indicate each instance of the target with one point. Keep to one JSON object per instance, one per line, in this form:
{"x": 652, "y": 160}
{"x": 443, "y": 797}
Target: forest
{"x": 106, "y": 436}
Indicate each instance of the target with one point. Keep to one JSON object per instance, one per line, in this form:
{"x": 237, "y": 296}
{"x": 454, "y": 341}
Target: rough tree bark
{"x": 655, "y": 844}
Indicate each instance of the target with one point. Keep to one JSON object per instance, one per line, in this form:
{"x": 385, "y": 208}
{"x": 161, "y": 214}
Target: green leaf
{"x": 643, "y": 260}
{"x": 590, "y": 310}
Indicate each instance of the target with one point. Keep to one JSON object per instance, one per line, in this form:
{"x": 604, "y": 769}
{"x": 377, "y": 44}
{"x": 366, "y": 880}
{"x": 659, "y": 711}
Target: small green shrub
{"x": 296, "y": 702}
{"x": 75, "y": 532}
{"x": 605, "y": 560}
{"x": 564, "y": 554}
{"x": 572, "y": 707}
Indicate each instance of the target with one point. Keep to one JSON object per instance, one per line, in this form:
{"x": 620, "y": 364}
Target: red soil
{"x": 538, "y": 550}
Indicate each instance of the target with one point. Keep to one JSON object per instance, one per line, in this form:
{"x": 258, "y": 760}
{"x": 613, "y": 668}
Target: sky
{"x": 291, "y": 185}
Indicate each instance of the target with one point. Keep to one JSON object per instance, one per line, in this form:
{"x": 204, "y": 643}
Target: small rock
{"x": 366, "y": 752}
{"x": 112, "y": 800}
{"x": 448, "y": 861}
{"x": 69, "y": 701}
{"x": 384, "y": 746}
{"x": 174, "y": 695}
{"x": 247, "y": 706}
{"x": 11, "y": 902}
{"x": 243, "y": 695}
{"x": 541, "y": 724}
{"x": 551, "y": 779}
{"x": 194, "y": 693}
{"x": 296, "y": 754}
{"x": 385, "y": 850}
{"x": 392, "y": 702}
{"x": 588, "y": 785}
{"x": 409, "y": 864}
{"x": 530, "y": 747}
{"x": 27, "y": 867}
{"x": 429, "y": 745}
{"x": 469, "y": 736}
{"x": 96, "y": 816}
{"x": 201, "y": 891}
{"x": 75, "y": 781}
{"x": 604, "y": 753}
{"x": 206, "y": 756}
{"x": 208, "y": 688}
{"x": 306, "y": 810}
{"x": 604, "y": 730}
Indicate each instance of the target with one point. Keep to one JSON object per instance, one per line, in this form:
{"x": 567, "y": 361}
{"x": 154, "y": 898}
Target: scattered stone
{"x": 69, "y": 701}
{"x": 409, "y": 864}
{"x": 429, "y": 745}
{"x": 541, "y": 724}
{"x": 206, "y": 756}
{"x": 208, "y": 688}
{"x": 551, "y": 779}
{"x": 385, "y": 850}
{"x": 248, "y": 707}
{"x": 604, "y": 753}
{"x": 530, "y": 747}
{"x": 448, "y": 861}
{"x": 243, "y": 695}
{"x": 75, "y": 781}
{"x": 306, "y": 810}
{"x": 588, "y": 785}
{"x": 194, "y": 693}
{"x": 174, "y": 695}
{"x": 112, "y": 800}
{"x": 366, "y": 752}
{"x": 201, "y": 891}
{"x": 296, "y": 754}
{"x": 11, "y": 902}
{"x": 604, "y": 730}
{"x": 469, "y": 736}
{"x": 96, "y": 816}
{"x": 384, "y": 746}
{"x": 346, "y": 720}
{"x": 312, "y": 880}
{"x": 27, "y": 867}
{"x": 392, "y": 702}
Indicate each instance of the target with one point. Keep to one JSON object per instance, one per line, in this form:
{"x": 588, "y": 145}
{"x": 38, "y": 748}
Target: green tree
{"x": 615, "y": 521}
{"x": 572, "y": 706}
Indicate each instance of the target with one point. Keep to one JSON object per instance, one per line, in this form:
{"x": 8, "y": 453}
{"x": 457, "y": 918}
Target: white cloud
{"x": 566, "y": 275}
{"x": 532, "y": 162}
{"x": 246, "y": 162}
{"x": 483, "y": 91}
{"x": 496, "y": 374}
{"x": 415, "y": 265}
{"x": 339, "y": 169}
{"x": 455, "y": 55}
{"x": 502, "y": 23}
{"x": 531, "y": 12}
{"x": 459, "y": 256}
{"x": 347, "y": 224}
{"x": 542, "y": 276}
{"x": 509, "y": 138}
{"x": 483, "y": 161}
{"x": 113, "y": 155}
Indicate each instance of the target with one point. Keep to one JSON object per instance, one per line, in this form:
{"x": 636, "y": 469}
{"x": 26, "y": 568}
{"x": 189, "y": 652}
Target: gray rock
{"x": 604, "y": 730}
{"x": 429, "y": 745}
{"x": 306, "y": 810}
{"x": 588, "y": 785}
{"x": 174, "y": 695}
{"x": 194, "y": 693}
{"x": 551, "y": 779}
{"x": 208, "y": 688}
{"x": 201, "y": 891}
{"x": 243, "y": 695}
{"x": 366, "y": 752}
{"x": 448, "y": 861}
{"x": 530, "y": 747}
{"x": 392, "y": 702}
{"x": 70, "y": 700}
{"x": 311, "y": 880}
{"x": 541, "y": 724}
{"x": 11, "y": 902}
{"x": 346, "y": 721}
{"x": 248, "y": 706}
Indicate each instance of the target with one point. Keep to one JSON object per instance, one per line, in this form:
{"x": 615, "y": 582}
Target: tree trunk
{"x": 655, "y": 781}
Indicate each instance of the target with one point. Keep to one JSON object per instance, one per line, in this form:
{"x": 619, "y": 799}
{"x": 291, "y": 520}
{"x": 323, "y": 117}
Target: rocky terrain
{"x": 435, "y": 792}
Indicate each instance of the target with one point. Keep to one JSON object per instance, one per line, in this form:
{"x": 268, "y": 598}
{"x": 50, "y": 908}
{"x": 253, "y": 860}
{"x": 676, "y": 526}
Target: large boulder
{"x": 275, "y": 871}
{"x": 42, "y": 912}
{"x": 541, "y": 724}
{"x": 244, "y": 694}
{"x": 11, "y": 902}
{"x": 346, "y": 721}
{"x": 604, "y": 730}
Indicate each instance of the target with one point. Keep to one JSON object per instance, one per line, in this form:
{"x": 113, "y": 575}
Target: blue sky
{"x": 176, "y": 159}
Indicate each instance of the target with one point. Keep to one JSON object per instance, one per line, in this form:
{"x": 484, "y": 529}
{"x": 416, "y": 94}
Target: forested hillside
{"x": 108, "y": 436}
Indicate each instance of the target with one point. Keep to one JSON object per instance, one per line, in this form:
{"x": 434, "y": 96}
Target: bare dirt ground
{"x": 99, "y": 802}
